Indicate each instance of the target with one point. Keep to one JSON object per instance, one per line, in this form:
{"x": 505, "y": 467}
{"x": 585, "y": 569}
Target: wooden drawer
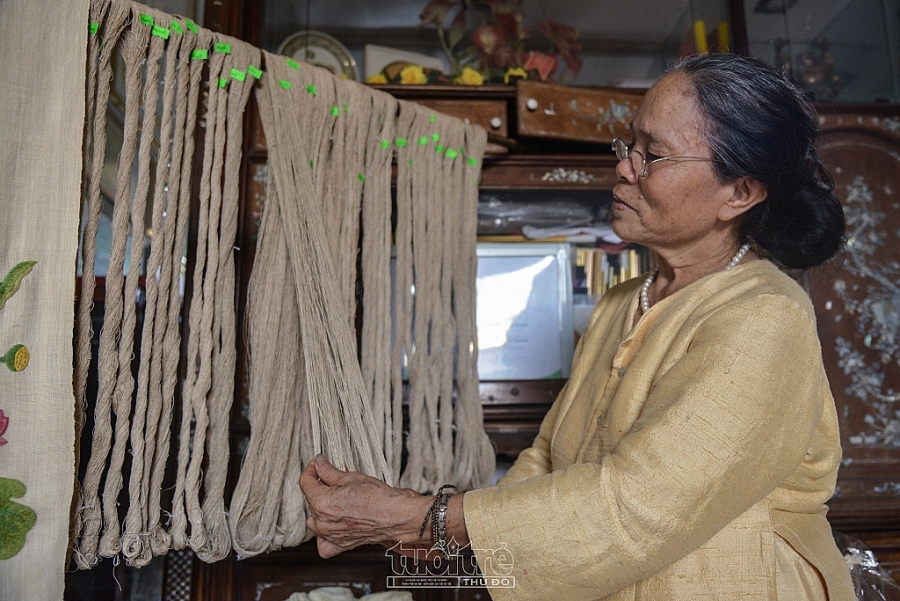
{"x": 547, "y": 110}
{"x": 489, "y": 114}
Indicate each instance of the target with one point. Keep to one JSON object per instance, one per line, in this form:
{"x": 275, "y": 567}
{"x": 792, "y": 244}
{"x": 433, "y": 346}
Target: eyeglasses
{"x": 626, "y": 151}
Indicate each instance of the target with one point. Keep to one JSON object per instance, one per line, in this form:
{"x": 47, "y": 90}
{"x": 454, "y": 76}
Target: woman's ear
{"x": 747, "y": 193}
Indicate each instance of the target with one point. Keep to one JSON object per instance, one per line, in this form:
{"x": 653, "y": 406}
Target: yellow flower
{"x": 412, "y": 74}
{"x": 377, "y": 78}
{"x": 469, "y": 77}
{"x": 515, "y": 72}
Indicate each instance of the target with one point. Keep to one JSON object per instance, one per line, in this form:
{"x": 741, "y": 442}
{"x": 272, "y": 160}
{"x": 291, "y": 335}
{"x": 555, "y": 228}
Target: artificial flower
{"x": 541, "y": 62}
{"x": 436, "y": 12}
{"x": 378, "y": 78}
{"x": 4, "y": 423}
{"x": 469, "y": 77}
{"x": 515, "y": 72}
{"x": 413, "y": 74}
{"x": 564, "y": 38}
{"x": 488, "y": 38}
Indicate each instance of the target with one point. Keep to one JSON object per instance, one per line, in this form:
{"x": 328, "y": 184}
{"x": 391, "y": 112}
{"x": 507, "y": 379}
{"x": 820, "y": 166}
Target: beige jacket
{"x": 689, "y": 457}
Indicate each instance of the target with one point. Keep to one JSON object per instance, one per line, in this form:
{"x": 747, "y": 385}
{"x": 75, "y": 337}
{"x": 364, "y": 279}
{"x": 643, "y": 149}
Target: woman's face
{"x": 678, "y": 204}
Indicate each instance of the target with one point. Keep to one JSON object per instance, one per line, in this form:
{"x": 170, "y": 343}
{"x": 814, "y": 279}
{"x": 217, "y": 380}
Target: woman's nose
{"x": 625, "y": 171}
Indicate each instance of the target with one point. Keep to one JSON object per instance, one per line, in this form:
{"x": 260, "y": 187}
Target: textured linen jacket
{"x": 688, "y": 457}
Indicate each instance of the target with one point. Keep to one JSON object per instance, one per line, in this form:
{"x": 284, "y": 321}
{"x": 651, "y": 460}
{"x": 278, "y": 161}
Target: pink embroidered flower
{"x": 4, "y": 423}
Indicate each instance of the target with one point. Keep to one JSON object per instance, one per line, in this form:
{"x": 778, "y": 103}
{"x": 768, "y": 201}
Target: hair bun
{"x": 802, "y": 234}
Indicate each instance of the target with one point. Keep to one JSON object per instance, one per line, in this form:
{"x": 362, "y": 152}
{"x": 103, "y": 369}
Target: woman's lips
{"x": 618, "y": 205}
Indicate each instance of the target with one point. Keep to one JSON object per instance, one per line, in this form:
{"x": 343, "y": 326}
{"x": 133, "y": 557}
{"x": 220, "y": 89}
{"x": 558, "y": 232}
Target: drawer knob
{"x": 496, "y": 122}
{"x": 532, "y": 104}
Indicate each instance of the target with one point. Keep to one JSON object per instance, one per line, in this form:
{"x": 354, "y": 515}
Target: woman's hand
{"x": 349, "y": 509}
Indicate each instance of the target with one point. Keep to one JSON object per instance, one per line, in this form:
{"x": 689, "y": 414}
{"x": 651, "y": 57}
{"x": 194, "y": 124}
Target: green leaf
{"x": 15, "y": 519}
{"x": 11, "y": 282}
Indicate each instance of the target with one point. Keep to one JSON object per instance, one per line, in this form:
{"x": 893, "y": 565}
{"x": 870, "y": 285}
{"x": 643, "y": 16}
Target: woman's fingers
{"x": 327, "y": 473}
{"x": 309, "y": 481}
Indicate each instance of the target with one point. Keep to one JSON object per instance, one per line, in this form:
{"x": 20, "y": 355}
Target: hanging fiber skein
{"x": 340, "y": 335}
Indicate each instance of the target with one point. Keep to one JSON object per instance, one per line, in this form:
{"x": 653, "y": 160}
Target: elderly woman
{"x": 692, "y": 451}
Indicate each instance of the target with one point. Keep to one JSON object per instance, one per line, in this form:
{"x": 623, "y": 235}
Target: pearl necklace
{"x": 645, "y": 302}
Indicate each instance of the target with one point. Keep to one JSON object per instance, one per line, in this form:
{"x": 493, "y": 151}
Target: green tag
{"x": 238, "y": 75}
{"x": 410, "y": 162}
{"x": 311, "y": 89}
{"x": 435, "y": 136}
{"x": 292, "y": 64}
{"x": 254, "y": 71}
{"x": 385, "y": 143}
{"x": 160, "y": 32}
{"x": 346, "y": 108}
{"x": 176, "y": 27}
{"x": 223, "y": 48}
{"x": 285, "y": 84}
{"x": 431, "y": 117}
{"x": 200, "y": 54}
{"x": 423, "y": 140}
{"x": 146, "y": 19}
{"x": 452, "y": 153}
{"x": 192, "y": 26}
{"x": 473, "y": 161}
{"x": 439, "y": 148}
{"x": 335, "y": 111}
{"x": 311, "y": 164}
{"x": 223, "y": 82}
{"x": 93, "y": 28}
{"x": 361, "y": 177}
{"x": 401, "y": 142}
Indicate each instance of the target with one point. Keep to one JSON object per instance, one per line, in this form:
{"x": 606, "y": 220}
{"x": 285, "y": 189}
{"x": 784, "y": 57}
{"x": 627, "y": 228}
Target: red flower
{"x": 436, "y": 12}
{"x": 488, "y": 38}
{"x": 543, "y": 63}
{"x": 564, "y": 38}
{"x": 4, "y": 423}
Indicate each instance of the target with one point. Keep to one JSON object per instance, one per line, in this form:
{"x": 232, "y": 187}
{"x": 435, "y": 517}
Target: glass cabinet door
{"x": 838, "y": 50}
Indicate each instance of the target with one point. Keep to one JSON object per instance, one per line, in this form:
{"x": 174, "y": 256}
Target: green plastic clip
{"x": 176, "y": 27}
{"x": 423, "y": 140}
{"x": 238, "y": 75}
{"x": 223, "y": 48}
{"x": 146, "y": 19}
{"x": 311, "y": 89}
{"x": 401, "y": 142}
{"x": 473, "y": 161}
{"x": 199, "y": 54}
{"x": 292, "y": 64}
{"x": 452, "y": 153}
{"x": 192, "y": 26}
{"x": 160, "y": 32}
{"x": 284, "y": 84}
{"x": 431, "y": 117}
{"x": 335, "y": 111}
{"x": 256, "y": 72}
{"x": 346, "y": 108}
{"x": 223, "y": 82}
{"x": 435, "y": 136}
{"x": 439, "y": 148}
{"x": 311, "y": 163}
{"x": 361, "y": 177}
{"x": 93, "y": 28}
{"x": 385, "y": 143}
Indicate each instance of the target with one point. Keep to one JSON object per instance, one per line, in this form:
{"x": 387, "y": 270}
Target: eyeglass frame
{"x": 624, "y": 151}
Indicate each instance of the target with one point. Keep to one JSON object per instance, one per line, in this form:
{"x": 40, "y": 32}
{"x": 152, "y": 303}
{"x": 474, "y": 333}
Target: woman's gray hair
{"x": 762, "y": 126}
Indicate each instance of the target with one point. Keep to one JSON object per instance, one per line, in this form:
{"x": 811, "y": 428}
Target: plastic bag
{"x": 870, "y": 581}
{"x": 499, "y": 216}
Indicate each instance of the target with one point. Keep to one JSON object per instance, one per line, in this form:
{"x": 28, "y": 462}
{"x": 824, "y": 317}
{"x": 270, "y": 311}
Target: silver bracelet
{"x": 441, "y": 543}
